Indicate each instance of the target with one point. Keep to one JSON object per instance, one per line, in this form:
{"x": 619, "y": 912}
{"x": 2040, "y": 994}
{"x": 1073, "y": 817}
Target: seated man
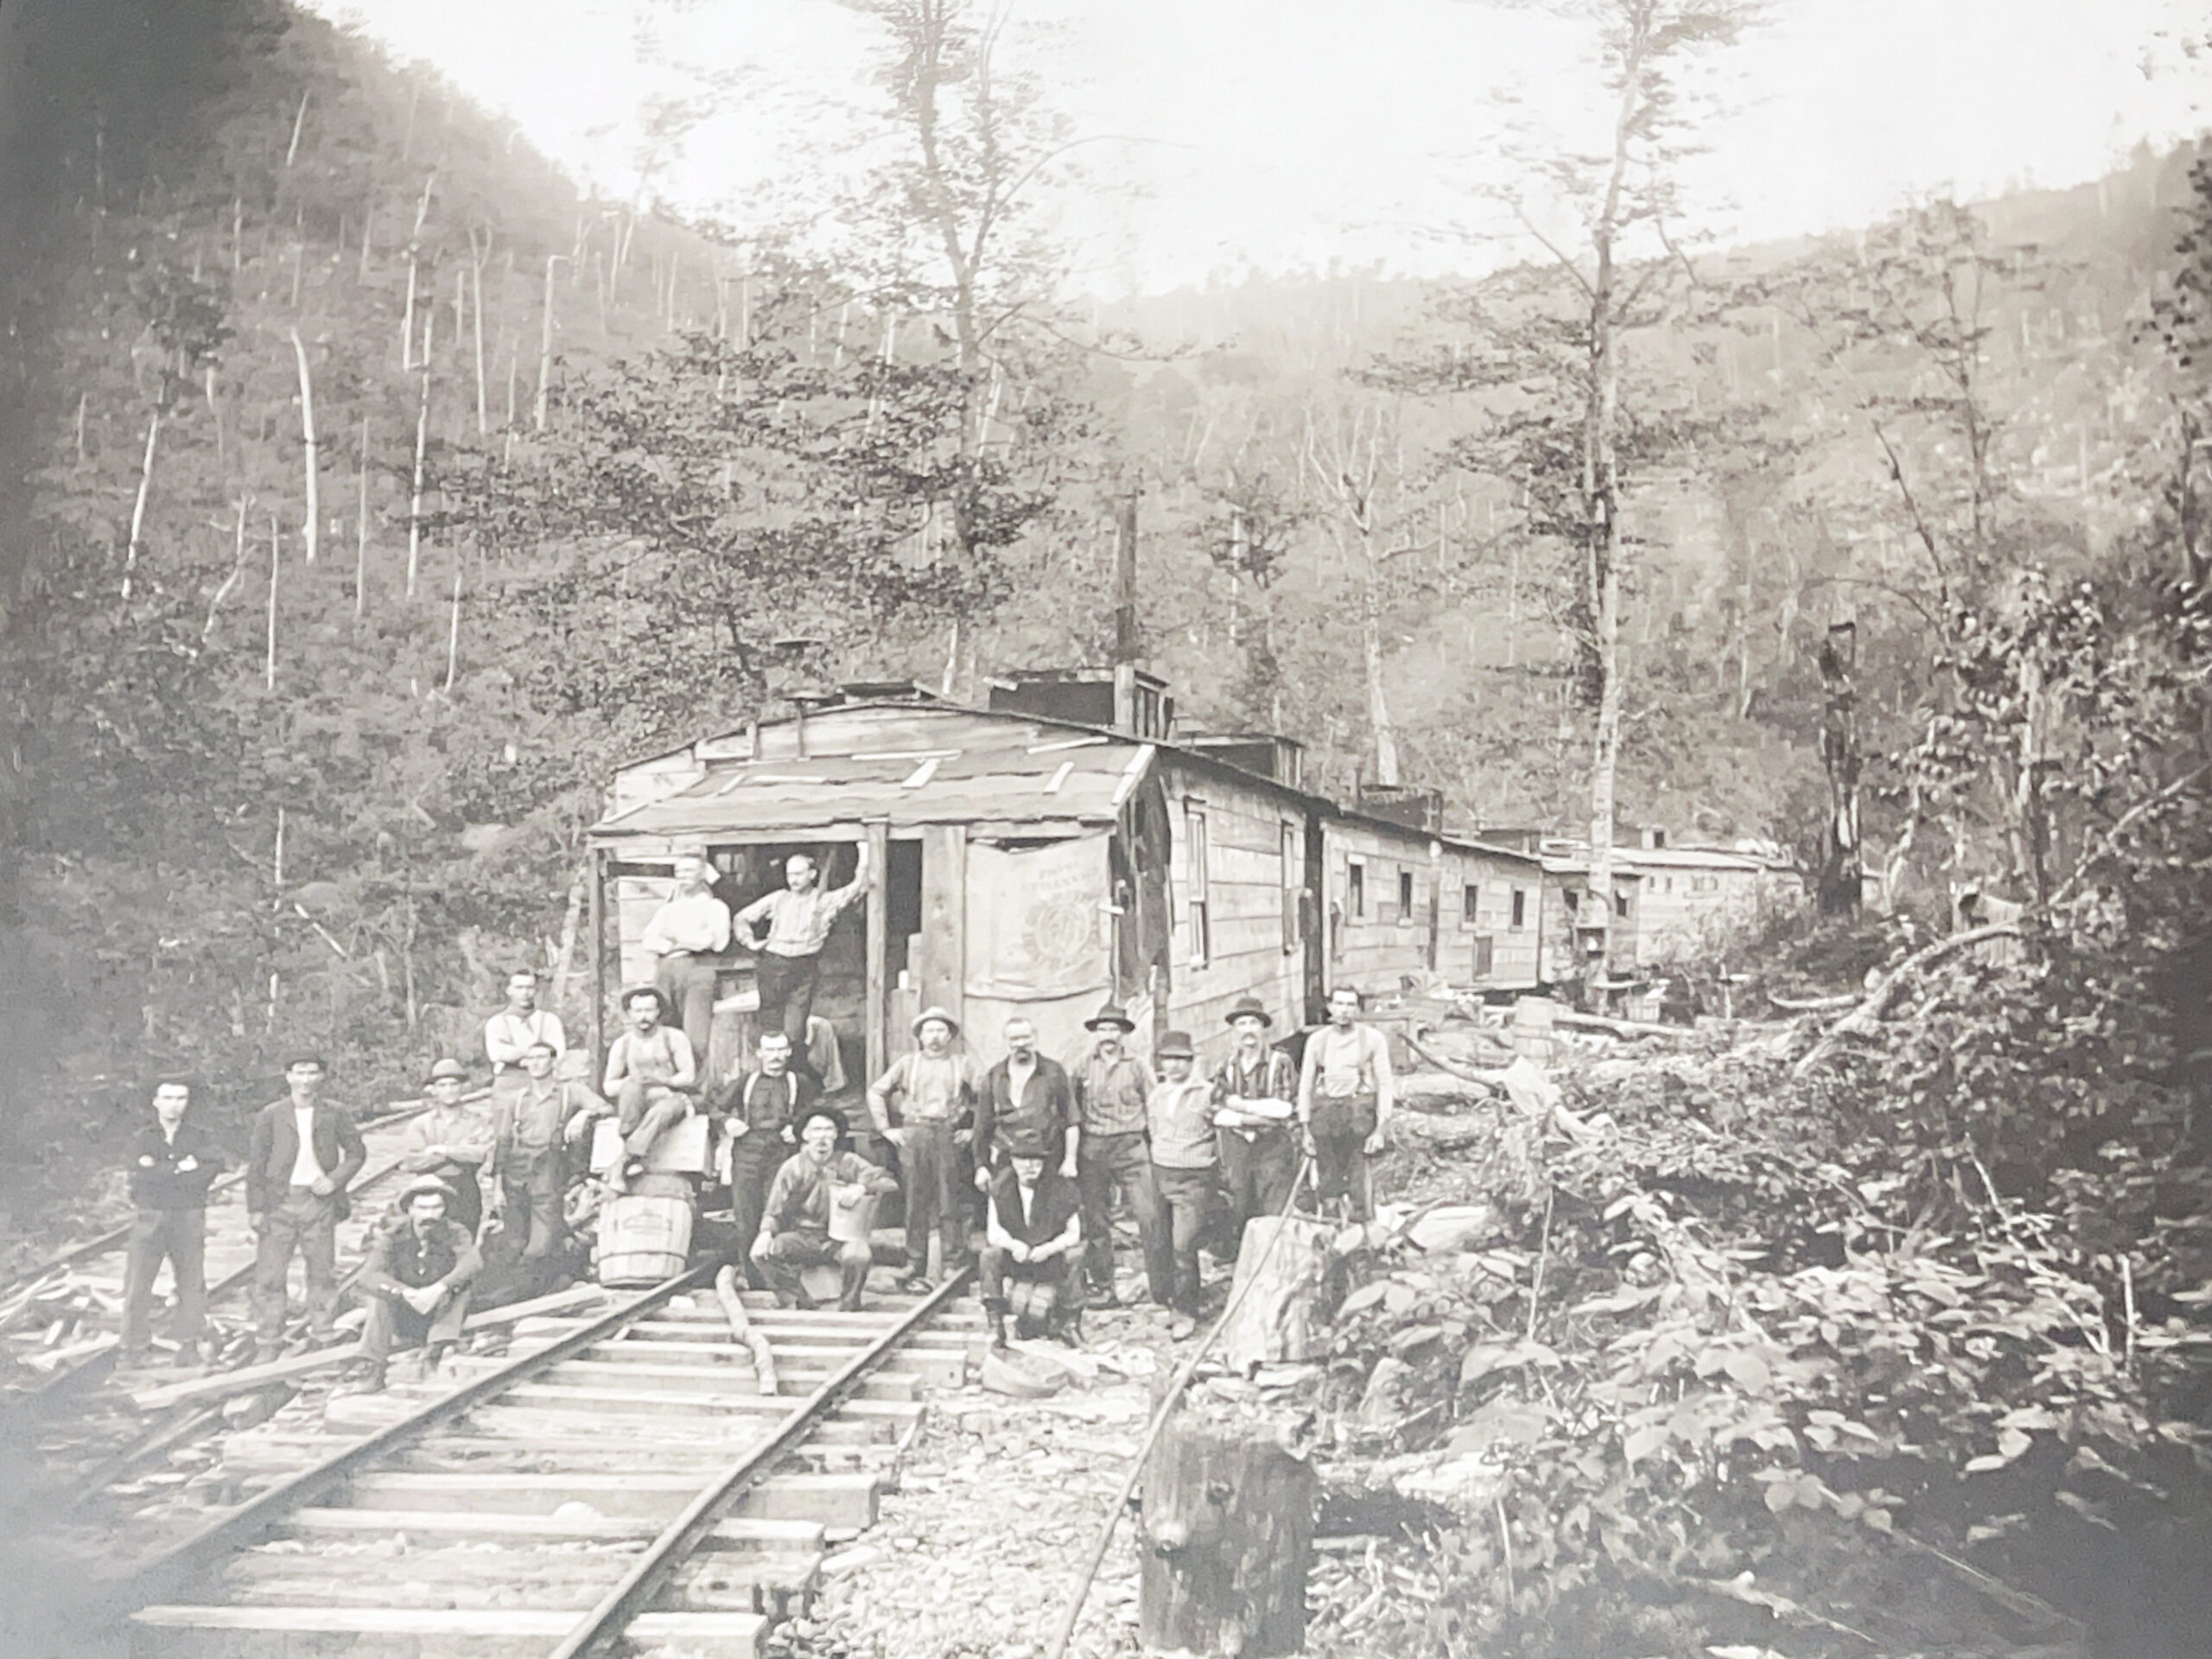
{"x": 1033, "y": 1240}
{"x": 650, "y": 1075}
{"x": 415, "y": 1282}
{"x": 450, "y": 1142}
{"x": 760, "y": 1112}
{"x": 795, "y": 1227}
{"x": 532, "y": 1130}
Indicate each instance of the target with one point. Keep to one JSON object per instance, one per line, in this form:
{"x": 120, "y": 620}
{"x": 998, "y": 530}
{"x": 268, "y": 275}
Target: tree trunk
{"x": 545, "y": 346}
{"x": 452, "y": 631}
{"x": 361, "y": 530}
{"x": 138, "y": 508}
{"x": 312, "y": 537}
{"x": 1371, "y": 645}
{"x": 276, "y": 553}
{"x": 421, "y": 454}
{"x": 1842, "y": 882}
{"x": 1228, "y": 1536}
{"x": 1280, "y": 1317}
{"x": 476, "y": 305}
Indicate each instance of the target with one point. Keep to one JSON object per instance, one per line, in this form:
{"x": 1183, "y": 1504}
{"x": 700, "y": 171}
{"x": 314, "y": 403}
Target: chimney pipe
{"x": 1125, "y": 648}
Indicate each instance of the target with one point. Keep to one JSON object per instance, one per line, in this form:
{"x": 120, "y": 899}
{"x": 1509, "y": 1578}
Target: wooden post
{"x": 1228, "y": 1537}
{"x": 1278, "y": 1318}
{"x": 597, "y": 894}
{"x": 545, "y": 347}
{"x": 878, "y": 946}
{"x": 313, "y": 524}
{"x": 941, "y": 968}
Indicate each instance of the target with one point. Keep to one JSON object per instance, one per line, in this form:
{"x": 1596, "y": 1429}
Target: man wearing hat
{"x": 533, "y": 1130}
{"x": 416, "y": 1282}
{"x": 1032, "y": 1232}
{"x": 814, "y": 1182}
{"x": 936, "y": 1091}
{"x": 449, "y": 1143}
{"x": 1179, "y": 1118}
{"x": 651, "y": 1072}
{"x": 1111, "y": 1092}
{"x": 301, "y": 1152}
{"x": 760, "y": 1113}
{"x": 1255, "y": 1106}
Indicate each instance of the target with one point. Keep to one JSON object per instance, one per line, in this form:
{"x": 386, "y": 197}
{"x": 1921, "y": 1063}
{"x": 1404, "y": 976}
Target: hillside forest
{"x": 367, "y": 492}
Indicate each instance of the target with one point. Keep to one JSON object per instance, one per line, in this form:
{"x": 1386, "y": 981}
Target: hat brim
{"x": 950, "y": 1024}
{"x": 1260, "y": 1014}
{"x": 1114, "y": 1020}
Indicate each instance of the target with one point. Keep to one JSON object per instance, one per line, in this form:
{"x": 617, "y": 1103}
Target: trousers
{"x": 754, "y": 1158}
{"x": 936, "y": 1195}
{"x": 1340, "y": 1171}
{"x": 182, "y": 1235}
{"x": 392, "y": 1323}
{"x": 532, "y": 1186}
{"x": 1257, "y": 1173}
{"x": 645, "y": 1111}
{"x": 307, "y": 1226}
{"x": 1172, "y": 1252}
{"x": 1002, "y": 1275}
{"x": 791, "y": 1253}
{"x": 688, "y": 983}
{"x": 786, "y": 985}
{"x": 1103, "y": 1162}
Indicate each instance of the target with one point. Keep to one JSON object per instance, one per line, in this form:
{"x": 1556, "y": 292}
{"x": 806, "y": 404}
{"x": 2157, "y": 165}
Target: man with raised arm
{"x": 692, "y": 926}
{"x": 797, "y": 921}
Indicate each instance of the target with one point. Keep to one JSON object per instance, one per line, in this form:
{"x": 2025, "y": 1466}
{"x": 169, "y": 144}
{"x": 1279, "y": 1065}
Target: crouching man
{"x": 415, "y": 1282}
{"x": 1033, "y": 1241}
{"x": 818, "y": 1180}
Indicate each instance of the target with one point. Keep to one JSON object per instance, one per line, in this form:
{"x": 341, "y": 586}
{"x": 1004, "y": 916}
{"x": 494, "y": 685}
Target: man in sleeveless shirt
{"x": 649, "y": 1076}
{"x": 1345, "y": 1096}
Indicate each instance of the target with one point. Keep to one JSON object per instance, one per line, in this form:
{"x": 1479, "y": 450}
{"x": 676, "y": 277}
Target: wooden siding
{"x": 1247, "y": 889}
{"x": 1516, "y": 953}
{"x": 1373, "y": 952}
{"x": 1688, "y": 913}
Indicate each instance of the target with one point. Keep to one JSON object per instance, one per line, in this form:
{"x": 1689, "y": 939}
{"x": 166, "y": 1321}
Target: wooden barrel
{"x": 643, "y": 1239}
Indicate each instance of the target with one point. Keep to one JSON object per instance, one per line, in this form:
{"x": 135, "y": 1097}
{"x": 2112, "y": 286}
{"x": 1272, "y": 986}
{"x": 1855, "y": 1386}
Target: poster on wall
{"x": 1038, "y": 926}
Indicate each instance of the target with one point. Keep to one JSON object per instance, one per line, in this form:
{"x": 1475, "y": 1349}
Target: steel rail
{"x": 607, "y": 1621}
{"x": 154, "y": 1578}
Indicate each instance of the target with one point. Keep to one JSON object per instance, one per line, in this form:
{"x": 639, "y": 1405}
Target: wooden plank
{"x": 736, "y": 1534}
{"x": 838, "y": 1500}
{"x": 942, "y": 958}
{"x": 561, "y": 1576}
{"x": 730, "y": 1632}
{"x": 876, "y": 971}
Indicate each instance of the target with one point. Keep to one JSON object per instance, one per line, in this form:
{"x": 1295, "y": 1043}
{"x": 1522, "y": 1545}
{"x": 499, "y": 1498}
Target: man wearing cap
{"x": 416, "y": 1282}
{"x": 1256, "y": 1109}
{"x": 1346, "y": 1093}
{"x": 532, "y": 1130}
{"x": 301, "y": 1152}
{"x": 1180, "y": 1117}
{"x": 788, "y": 958}
{"x": 449, "y": 1142}
{"x": 814, "y": 1182}
{"x": 172, "y": 1162}
{"x": 692, "y": 926}
{"x": 1032, "y": 1234}
{"x": 650, "y": 1074}
{"x": 1111, "y": 1093}
{"x": 1024, "y": 1095}
{"x": 936, "y": 1091}
{"x": 759, "y": 1113}
{"x": 509, "y": 1033}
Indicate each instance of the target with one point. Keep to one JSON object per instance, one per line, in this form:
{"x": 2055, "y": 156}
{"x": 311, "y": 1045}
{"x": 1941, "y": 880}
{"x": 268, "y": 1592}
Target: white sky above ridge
{"x": 1284, "y": 135}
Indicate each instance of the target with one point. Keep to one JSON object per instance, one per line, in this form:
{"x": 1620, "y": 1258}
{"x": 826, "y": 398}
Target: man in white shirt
{"x": 509, "y": 1035}
{"x": 302, "y": 1152}
{"x": 690, "y": 928}
{"x": 798, "y": 920}
{"x": 1346, "y": 1094}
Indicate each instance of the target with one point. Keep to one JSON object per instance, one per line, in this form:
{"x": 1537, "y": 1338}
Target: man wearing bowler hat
{"x": 1111, "y": 1092}
{"x": 449, "y": 1143}
{"x": 416, "y": 1282}
{"x": 1033, "y": 1237}
{"x": 936, "y": 1091}
{"x": 1255, "y": 1109}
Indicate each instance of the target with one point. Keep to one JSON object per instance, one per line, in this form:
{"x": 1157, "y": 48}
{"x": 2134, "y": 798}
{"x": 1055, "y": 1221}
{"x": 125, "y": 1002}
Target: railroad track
{"x": 619, "y": 1483}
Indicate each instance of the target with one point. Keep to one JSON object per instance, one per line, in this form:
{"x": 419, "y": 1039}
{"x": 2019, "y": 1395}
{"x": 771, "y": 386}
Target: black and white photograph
{"x": 1094, "y": 829}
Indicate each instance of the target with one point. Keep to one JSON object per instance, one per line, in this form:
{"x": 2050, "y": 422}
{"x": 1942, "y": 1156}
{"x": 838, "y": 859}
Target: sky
{"x": 1225, "y": 136}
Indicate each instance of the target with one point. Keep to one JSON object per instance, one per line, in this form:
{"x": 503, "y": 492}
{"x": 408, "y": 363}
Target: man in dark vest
{"x": 415, "y": 1282}
{"x": 760, "y": 1113}
{"x": 302, "y": 1152}
{"x": 172, "y": 1162}
{"x": 1024, "y": 1095}
{"x": 1032, "y": 1242}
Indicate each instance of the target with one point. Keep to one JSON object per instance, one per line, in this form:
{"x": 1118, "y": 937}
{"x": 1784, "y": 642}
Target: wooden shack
{"x": 1043, "y": 854}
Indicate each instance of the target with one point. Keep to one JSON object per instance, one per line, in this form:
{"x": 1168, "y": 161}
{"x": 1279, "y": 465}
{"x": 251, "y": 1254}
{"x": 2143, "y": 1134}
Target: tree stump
{"x": 1280, "y": 1317}
{"x": 1228, "y": 1534}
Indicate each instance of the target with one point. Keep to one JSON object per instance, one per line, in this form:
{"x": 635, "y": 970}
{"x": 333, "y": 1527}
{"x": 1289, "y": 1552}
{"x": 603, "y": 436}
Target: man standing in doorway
{"x": 690, "y": 927}
{"x": 302, "y": 1152}
{"x": 172, "y": 1162}
{"x": 789, "y": 963}
{"x": 1345, "y": 1097}
{"x": 1111, "y": 1093}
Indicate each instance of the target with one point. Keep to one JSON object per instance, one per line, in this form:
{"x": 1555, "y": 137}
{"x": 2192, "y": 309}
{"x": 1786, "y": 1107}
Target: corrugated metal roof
{"x": 1017, "y": 781}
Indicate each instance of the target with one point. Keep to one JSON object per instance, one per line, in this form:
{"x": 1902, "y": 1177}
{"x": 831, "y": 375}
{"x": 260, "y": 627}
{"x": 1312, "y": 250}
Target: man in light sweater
{"x": 684, "y": 932}
{"x": 1179, "y": 1118}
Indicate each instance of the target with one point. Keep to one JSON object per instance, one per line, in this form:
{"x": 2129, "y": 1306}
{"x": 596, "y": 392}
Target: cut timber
{"x": 740, "y": 1326}
{"x": 1278, "y": 1318}
{"x": 497, "y": 1631}
{"x": 1228, "y": 1535}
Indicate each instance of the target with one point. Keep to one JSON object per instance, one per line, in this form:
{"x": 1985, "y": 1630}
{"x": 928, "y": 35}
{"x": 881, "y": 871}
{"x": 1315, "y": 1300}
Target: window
{"x": 1520, "y": 907}
{"x": 1356, "y": 889}
{"x": 1405, "y": 895}
{"x": 1482, "y": 944}
{"x": 1573, "y": 897}
{"x": 1471, "y": 902}
{"x": 1194, "y": 853}
{"x": 1291, "y": 886}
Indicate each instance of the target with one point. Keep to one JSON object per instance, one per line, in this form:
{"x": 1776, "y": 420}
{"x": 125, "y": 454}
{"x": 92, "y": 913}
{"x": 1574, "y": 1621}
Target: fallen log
{"x": 740, "y": 1326}
{"x": 1863, "y": 1019}
{"x": 1814, "y": 1004}
{"x": 1622, "y": 1027}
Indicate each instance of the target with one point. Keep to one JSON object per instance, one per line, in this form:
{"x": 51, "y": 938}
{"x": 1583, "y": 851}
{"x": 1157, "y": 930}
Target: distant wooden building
{"x": 1051, "y": 849}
